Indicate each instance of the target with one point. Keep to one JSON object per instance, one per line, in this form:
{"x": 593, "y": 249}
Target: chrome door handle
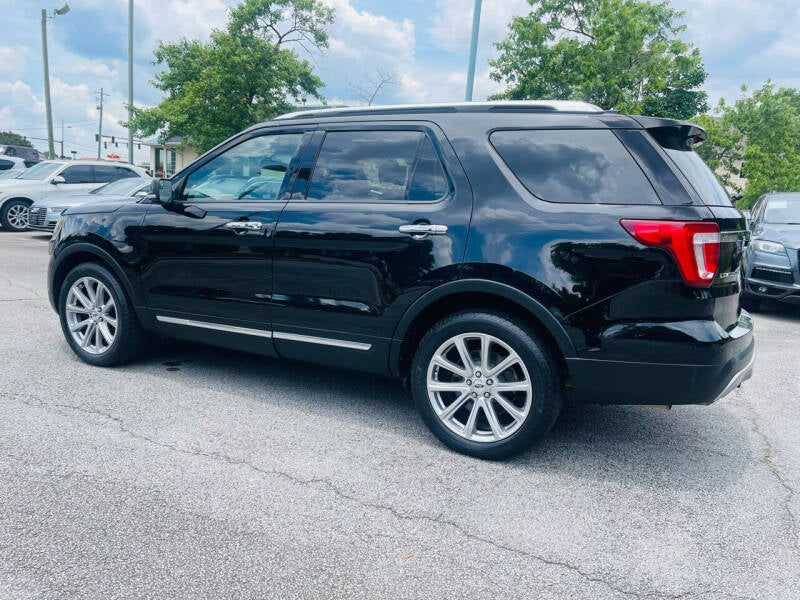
{"x": 244, "y": 225}
{"x": 423, "y": 229}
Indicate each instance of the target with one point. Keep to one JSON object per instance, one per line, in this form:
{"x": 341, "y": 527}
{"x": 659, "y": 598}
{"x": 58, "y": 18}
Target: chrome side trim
{"x": 215, "y": 326}
{"x": 740, "y": 377}
{"x": 296, "y": 337}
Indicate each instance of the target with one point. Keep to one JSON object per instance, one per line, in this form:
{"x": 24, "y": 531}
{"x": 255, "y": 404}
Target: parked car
{"x": 54, "y": 177}
{"x": 30, "y": 156}
{"x": 772, "y": 258}
{"x": 503, "y": 258}
{"x": 11, "y": 166}
{"x": 43, "y": 214}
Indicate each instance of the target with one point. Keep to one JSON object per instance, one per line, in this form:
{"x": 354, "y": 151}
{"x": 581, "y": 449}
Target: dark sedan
{"x": 771, "y": 259}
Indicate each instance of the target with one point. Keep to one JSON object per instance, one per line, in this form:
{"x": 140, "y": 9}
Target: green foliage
{"x": 243, "y": 75}
{"x": 622, "y": 54}
{"x": 761, "y": 130}
{"x": 14, "y": 139}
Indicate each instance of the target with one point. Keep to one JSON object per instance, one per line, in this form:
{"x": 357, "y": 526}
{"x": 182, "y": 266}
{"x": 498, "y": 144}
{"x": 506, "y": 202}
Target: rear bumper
{"x": 623, "y": 382}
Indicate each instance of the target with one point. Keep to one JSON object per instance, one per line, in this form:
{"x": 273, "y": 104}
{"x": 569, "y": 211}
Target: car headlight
{"x": 56, "y": 210}
{"x": 769, "y": 247}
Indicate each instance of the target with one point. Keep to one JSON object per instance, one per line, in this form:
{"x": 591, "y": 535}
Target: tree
{"x": 369, "y": 89}
{"x": 760, "y": 131}
{"x": 14, "y": 139}
{"x": 246, "y": 73}
{"x": 622, "y": 54}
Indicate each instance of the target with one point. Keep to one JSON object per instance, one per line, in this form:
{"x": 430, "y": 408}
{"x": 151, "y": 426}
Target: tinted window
{"x": 702, "y": 179}
{"x": 378, "y": 166}
{"x": 78, "y": 174}
{"x": 104, "y": 174}
{"x": 5, "y": 164}
{"x": 253, "y": 170}
{"x": 578, "y": 165}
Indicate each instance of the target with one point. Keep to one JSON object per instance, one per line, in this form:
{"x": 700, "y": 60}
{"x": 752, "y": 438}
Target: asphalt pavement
{"x": 204, "y": 473}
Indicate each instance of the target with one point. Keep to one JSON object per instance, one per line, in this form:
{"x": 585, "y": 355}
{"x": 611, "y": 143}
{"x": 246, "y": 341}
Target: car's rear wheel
{"x": 486, "y": 386}
{"x": 14, "y": 215}
{"x": 97, "y": 318}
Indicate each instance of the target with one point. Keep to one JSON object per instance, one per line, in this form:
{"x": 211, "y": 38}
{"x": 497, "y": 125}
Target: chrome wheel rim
{"x": 17, "y": 215}
{"x": 479, "y": 387}
{"x": 91, "y": 315}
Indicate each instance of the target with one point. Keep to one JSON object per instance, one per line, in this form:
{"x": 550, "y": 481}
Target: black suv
{"x": 503, "y": 258}
{"x": 31, "y": 156}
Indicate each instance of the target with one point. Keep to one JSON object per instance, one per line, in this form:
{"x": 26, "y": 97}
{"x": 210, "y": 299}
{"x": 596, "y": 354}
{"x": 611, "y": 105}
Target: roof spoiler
{"x": 673, "y": 134}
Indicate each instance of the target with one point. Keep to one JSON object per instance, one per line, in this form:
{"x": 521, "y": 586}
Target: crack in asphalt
{"x": 768, "y": 461}
{"x": 438, "y": 520}
{"x": 22, "y": 287}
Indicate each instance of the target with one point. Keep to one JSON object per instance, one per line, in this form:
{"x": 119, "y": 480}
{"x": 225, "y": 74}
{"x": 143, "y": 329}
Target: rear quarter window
{"x": 587, "y": 166}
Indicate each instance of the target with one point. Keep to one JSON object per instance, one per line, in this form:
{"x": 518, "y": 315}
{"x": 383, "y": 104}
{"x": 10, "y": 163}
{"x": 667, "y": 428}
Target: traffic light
{"x": 112, "y": 139}
{"x": 96, "y": 138}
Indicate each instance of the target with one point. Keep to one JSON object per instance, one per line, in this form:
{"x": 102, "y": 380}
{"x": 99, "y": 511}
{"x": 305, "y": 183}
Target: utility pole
{"x": 473, "y": 49}
{"x": 100, "y": 125}
{"x": 130, "y": 80}
{"x": 50, "y": 148}
{"x": 62, "y": 139}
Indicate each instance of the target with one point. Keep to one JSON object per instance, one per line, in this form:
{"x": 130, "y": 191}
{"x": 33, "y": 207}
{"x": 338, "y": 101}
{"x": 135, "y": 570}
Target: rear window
{"x": 588, "y": 166}
{"x": 377, "y": 166}
{"x": 701, "y": 178}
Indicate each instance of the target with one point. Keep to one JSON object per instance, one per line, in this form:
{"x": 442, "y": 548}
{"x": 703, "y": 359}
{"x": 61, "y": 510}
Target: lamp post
{"x": 130, "y": 80}
{"x": 473, "y": 49}
{"x": 48, "y": 109}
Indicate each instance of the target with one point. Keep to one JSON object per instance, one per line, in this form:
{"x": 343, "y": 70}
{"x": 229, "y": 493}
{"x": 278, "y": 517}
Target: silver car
{"x": 44, "y": 214}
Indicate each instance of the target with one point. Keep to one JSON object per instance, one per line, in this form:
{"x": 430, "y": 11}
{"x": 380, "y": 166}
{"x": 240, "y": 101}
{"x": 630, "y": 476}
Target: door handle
{"x": 244, "y": 225}
{"x": 421, "y": 229}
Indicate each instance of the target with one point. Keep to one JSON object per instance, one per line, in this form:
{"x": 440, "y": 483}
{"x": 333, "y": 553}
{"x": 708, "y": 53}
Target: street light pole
{"x": 473, "y": 49}
{"x": 48, "y": 109}
{"x": 130, "y": 80}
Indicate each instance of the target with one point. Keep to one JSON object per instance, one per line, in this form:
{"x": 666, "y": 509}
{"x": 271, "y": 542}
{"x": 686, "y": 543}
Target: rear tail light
{"x": 694, "y": 245}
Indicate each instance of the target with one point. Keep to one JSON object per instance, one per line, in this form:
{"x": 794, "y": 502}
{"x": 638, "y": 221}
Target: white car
{"x": 51, "y": 177}
{"x": 11, "y": 166}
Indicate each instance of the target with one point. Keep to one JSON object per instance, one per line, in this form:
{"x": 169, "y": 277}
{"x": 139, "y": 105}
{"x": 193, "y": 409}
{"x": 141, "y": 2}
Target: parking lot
{"x": 203, "y": 473}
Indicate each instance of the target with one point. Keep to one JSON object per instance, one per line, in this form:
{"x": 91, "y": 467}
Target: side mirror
{"x": 737, "y": 196}
{"x": 57, "y": 179}
{"x": 162, "y": 191}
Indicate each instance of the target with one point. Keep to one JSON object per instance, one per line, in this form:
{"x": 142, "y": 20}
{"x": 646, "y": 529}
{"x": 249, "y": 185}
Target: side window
{"x": 251, "y": 171}
{"x": 5, "y": 165}
{"x": 574, "y": 166}
{"x": 104, "y": 174}
{"x": 78, "y": 174}
{"x": 377, "y": 166}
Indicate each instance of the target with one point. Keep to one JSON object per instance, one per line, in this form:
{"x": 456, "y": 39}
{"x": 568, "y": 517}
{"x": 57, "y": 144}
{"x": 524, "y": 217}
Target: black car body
{"x": 772, "y": 260}
{"x": 579, "y": 226}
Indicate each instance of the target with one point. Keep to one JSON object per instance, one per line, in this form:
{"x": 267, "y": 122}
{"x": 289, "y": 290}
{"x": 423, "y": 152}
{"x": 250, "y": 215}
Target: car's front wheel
{"x": 97, "y": 318}
{"x": 485, "y": 385}
{"x": 14, "y": 215}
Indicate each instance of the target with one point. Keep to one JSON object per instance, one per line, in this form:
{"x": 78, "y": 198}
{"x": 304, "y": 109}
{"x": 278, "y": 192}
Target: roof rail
{"x": 576, "y": 106}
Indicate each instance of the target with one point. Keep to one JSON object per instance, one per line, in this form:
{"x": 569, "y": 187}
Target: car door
{"x": 78, "y": 179}
{"x": 208, "y": 270}
{"x": 380, "y": 218}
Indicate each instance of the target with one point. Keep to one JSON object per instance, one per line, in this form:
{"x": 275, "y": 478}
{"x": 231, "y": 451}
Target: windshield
{"x": 120, "y": 187}
{"x": 703, "y": 180}
{"x": 783, "y": 211}
{"x": 41, "y": 171}
{"x": 10, "y": 174}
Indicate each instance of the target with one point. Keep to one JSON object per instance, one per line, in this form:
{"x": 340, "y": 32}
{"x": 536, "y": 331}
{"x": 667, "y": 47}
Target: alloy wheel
{"x": 91, "y": 315}
{"x": 17, "y": 216}
{"x": 479, "y": 387}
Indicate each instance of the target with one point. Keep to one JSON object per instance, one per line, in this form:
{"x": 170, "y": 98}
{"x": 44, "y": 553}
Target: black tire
{"x": 5, "y": 217}
{"x": 129, "y": 339}
{"x": 540, "y": 360}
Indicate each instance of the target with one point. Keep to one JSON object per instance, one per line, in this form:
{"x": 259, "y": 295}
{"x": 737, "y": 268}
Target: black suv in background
{"x": 31, "y": 156}
{"x": 503, "y": 257}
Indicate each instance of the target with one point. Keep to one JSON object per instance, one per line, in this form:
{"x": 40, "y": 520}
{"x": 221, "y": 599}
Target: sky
{"x": 423, "y": 43}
